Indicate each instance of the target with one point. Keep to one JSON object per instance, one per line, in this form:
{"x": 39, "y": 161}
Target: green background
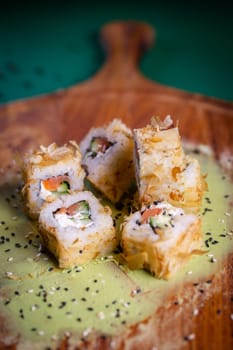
{"x": 45, "y": 46}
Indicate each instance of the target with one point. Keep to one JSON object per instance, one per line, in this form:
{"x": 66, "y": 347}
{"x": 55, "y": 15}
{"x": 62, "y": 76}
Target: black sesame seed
{"x": 87, "y": 289}
{"x": 41, "y": 286}
{"x": 25, "y": 247}
{"x": 17, "y": 245}
{"x": 222, "y": 235}
{"x": 49, "y": 317}
{"x": 58, "y": 288}
{"x": 66, "y": 289}
{"x": 50, "y": 305}
{"x": 209, "y": 281}
{"x": 201, "y": 291}
{"x": 95, "y": 281}
{"x": 7, "y": 250}
{"x": 226, "y": 196}
{"x": 90, "y": 309}
{"x": 114, "y": 302}
{"x": 16, "y": 292}
{"x": 80, "y": 252}
{"x": 214, "y": 242}
{"x": 83, "y": 299}
{"x": 73, "y": 300}
{"x": 79, "y": 319}
{"x": 218, "y": 312}
{"x": 176, "y": 303}
{"x": 33, "y": 329}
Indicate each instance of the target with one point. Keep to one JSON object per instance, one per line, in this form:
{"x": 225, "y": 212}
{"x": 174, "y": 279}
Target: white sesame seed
{"x": 10, "y": 259}
{"x": 195, "y": 312}
{"x": 86, "y": 332}
{"x": 41, "y": 333}
{"x": 101, "y": 315}
{"x": 34, "y": 307}
{"x": 231, "y": 317}
{"x": 30, "y": 291}
{"x": 54, "y": 337}
{"x": 14, "y": 218}
{"x": 227, "y": 214}
{"x": 189, "y": 272}
{"x": 191, "y": 336}
{"x": 9, "y": 273}
{"x": 79, "y": 268}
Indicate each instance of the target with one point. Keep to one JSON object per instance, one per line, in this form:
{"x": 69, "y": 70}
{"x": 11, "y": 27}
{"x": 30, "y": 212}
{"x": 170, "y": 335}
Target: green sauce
{"x": 42, "y": 302}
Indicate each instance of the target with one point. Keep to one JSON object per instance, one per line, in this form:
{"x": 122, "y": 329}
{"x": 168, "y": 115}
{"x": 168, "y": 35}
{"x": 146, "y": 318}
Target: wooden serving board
{"x": 120, "y": 90}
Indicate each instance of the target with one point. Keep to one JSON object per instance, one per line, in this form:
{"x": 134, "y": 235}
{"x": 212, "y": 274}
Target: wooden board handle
{"x": 124, "y": 43}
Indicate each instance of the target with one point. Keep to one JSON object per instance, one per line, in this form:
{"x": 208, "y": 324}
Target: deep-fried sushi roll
{"x": 50, "y": 172}
{"x": 77, "y": 229}
{"x": 163, "y": 171}
{"x": 108, "y": 159}
{"x": 160, "y": 238}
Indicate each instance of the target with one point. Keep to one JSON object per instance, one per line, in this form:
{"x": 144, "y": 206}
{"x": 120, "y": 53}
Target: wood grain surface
{"x": 120, "y": 90}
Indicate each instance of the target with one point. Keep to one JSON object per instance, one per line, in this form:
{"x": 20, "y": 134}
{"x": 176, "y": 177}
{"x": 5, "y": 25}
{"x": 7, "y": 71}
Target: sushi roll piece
{"x": 163, "y": 171}
{"x": 108, "y": 159}
{"x": 50, "y": 172}
{"x": 77, "y": 229}
{"x": 160, "y": 238}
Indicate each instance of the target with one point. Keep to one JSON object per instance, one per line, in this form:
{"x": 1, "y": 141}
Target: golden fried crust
{"x": 76, "y": 254}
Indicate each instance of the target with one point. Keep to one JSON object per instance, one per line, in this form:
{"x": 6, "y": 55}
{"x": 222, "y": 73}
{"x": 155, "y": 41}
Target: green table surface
{"x": 48, "y": 45}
